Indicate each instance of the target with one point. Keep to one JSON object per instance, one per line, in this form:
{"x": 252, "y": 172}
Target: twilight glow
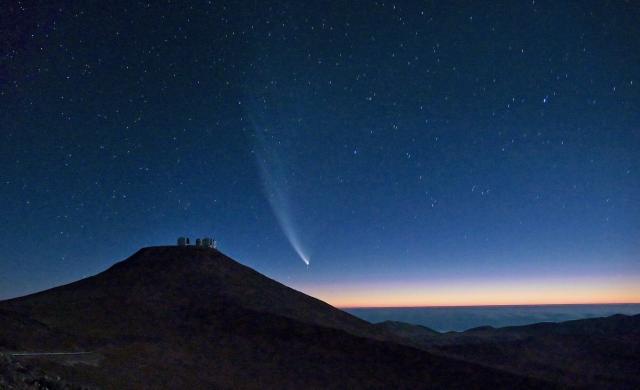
{"x": 531, "y": 292}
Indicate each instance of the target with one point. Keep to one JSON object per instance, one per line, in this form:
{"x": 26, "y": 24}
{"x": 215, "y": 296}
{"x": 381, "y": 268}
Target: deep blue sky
{"x": 415, "y": 151}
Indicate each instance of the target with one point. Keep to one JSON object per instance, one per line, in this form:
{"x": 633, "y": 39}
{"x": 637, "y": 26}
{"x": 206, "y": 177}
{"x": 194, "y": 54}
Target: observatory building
{"x": 207, "y": 242}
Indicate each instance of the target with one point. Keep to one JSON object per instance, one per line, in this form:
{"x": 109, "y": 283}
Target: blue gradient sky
{"x": 418, "y": 153}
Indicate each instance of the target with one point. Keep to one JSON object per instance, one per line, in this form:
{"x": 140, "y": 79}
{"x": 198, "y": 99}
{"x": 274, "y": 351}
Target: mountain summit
{"x": 163, "y": 284}
{"x": 186, "y": 317}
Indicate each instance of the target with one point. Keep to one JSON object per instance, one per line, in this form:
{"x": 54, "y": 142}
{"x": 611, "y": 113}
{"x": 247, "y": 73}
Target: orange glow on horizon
{"x": 392, "y": 306}
{"x": 479, "y": 294}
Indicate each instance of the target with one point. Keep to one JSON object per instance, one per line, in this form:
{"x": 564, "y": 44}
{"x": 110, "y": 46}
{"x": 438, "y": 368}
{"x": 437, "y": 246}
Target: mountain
{"x": 595, "y": 353}
{"x": 162, "y": 282}
{"x": 187, "y": 317}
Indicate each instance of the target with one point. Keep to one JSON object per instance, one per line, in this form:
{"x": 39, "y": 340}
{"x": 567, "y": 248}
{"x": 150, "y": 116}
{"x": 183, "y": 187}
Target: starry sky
{"x": 414, "y": 153}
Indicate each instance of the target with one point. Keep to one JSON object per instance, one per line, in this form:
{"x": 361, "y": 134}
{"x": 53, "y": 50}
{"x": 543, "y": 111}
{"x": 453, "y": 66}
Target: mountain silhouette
{"x": 592, "y": 353}
{"x": 188, "y": 317}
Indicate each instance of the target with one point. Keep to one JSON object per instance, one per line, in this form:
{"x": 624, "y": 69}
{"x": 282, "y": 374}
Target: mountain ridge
{"x": 184, "y": 317}
{"x": 601, "y": 352}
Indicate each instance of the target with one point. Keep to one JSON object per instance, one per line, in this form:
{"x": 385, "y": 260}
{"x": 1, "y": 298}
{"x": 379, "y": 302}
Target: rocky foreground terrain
{"x": 18, "y": 375}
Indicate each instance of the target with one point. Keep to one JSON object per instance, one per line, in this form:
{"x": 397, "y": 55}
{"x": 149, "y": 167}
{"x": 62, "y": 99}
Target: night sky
{"x": 414, "y": 153}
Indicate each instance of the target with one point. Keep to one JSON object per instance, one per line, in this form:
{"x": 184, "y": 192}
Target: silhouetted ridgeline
{"x": 188, "y": 317}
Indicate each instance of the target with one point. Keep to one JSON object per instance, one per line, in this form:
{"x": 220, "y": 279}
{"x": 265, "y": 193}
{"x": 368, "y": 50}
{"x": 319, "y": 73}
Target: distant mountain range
{"x": 594, "y": 353}
{"x": 187, "y": 317}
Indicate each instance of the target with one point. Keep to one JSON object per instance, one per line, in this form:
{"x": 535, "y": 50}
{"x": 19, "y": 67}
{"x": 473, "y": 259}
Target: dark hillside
{"x": 598, "y": 352}
{"x": 186, "y": 317}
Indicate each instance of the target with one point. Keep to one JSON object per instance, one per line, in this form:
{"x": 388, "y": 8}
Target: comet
{"x": 275, "y": 186}
{"x": 279, "y": 202}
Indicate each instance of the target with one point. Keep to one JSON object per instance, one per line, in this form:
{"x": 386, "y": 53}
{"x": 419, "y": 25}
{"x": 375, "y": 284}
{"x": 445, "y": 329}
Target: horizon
{"x": 462, "y": 318}
{"x": 627, "y": 293}
{"x": 319, "y": 295}
{"x": 480, "y": 305}
{"x": 342, "y": 307}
